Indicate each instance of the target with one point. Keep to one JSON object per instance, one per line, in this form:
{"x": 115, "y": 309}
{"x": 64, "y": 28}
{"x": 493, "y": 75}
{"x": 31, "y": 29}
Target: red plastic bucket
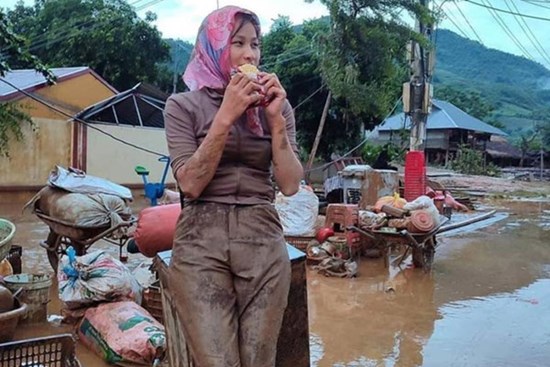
{"x": 415, "y": 175}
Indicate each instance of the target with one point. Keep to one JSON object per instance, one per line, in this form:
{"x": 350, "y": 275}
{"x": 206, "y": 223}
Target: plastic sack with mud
{"x": 95, "y": 277}
{"x": 123, "y": 333}
{"x": 78, "y": 181}
{"x": 82, "y": 210}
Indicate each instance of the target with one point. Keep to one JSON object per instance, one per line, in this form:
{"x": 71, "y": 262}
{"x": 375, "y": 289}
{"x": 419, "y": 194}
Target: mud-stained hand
{"x": 274, "y": 92}
{"x": 241, "y": 92}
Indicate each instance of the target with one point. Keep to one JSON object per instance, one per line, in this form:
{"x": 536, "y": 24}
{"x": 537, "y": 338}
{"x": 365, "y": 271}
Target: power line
{"x": 508, "y": 12}
{"x": 309, "y": 97}
{"x": 468, "y": 22}
{"x": 448, "y": 14}
{"x": 354, "y": 148}
{"x": 534, "y": 3}
{"x": 91, "y": 126}
{"x": 277, "y": 61}
{"x": 81, "y": 25}
{"x": 507, "y": 30}
{"x": 534, "y": 41}
{"x": 58, "y": 110}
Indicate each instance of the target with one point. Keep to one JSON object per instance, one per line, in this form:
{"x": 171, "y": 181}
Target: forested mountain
{"x": 517, "y": 88}
{"x": 513, "y": 90}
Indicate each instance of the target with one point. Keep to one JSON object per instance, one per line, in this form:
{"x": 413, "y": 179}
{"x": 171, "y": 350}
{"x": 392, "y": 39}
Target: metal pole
{"x": 541, "y": 163}
{"x": 217, "y": 4}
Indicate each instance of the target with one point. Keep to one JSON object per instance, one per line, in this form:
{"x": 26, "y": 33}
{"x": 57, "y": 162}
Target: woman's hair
{"x": 242, "y": 19}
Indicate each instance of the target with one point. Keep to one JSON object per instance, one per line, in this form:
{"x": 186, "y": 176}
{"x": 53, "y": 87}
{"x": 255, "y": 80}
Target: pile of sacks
{"x": 103, "y": 299}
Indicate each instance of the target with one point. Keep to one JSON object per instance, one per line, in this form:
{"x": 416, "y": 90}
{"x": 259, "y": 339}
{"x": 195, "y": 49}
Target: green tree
{"x": 527, "y": 141}
{"x": 362, "y": 59}
{"x": 106, "y": 35}
{"x": 13, "y": 52}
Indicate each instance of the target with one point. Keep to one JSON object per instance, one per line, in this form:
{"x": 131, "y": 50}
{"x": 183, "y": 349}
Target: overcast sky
{"x": 181, "y": 19}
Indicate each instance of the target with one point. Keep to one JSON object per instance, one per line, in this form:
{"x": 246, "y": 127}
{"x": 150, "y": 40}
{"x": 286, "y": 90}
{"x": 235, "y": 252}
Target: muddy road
{"x": 485, "y": 303}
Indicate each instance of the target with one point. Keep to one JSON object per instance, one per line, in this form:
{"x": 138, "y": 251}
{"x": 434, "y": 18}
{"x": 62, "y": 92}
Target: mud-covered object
{"x": 123, "y": 332}
{"x": 77, "y": 181}
{"x": 298, "y": 213}
{"x": 95, "y": 277}
{"x": 337, "y": 267}
{"x": 85, "y": 210}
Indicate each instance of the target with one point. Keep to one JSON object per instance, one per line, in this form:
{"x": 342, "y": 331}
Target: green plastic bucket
{"x": 36, "y": 294}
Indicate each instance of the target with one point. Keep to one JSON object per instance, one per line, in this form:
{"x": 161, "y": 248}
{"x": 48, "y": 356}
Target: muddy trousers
{"x": 230, "y": 276}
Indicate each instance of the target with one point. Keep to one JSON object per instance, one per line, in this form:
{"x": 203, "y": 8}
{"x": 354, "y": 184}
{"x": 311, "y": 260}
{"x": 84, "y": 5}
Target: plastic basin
{"x": 7, "y": 231}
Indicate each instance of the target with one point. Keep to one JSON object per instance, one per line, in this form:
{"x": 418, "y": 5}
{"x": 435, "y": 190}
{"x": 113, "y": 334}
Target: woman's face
{"x": 245, "y": 46}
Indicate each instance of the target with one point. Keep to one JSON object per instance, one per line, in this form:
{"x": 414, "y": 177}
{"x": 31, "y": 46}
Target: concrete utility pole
{"x": 417, "y": 92}
{"x": 417, "y": 104}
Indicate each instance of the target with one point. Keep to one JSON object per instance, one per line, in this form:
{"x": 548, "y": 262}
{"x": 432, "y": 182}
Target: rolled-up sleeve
{"x": 180, "y": 133}
{"x": 288, "y": 114}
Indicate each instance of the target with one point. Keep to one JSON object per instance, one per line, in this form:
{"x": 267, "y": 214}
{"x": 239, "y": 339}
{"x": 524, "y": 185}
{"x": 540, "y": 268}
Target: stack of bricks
{"x": 339, "y": 217}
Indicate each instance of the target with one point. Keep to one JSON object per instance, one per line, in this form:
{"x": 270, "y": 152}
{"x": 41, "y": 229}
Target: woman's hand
{"x": 274, "y": 93}
{"x": 241, "y": 92}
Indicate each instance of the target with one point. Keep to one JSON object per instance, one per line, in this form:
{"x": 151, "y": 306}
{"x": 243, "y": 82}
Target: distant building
{"x": 447, "y": 128}
{"x": 136, "y": 117}
{"x": 91, "y": 132}
{"x": 53, "y": 141}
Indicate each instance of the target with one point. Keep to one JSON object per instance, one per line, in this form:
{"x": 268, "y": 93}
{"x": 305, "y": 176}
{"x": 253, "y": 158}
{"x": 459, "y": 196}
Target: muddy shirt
{"x": 243, "y": 175}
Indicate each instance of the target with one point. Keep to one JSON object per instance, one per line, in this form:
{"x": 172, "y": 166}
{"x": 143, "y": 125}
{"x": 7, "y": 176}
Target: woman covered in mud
{"x": 230, "y": 271}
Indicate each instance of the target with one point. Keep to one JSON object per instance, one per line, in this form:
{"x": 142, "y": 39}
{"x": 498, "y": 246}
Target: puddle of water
{"x": 489, "y": 290}
{"x": 500, "y": 330}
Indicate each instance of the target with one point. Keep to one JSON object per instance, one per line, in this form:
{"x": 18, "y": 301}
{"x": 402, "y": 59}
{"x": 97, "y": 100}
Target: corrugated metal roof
{"x": 444, "y": 116}
{"x": 29, "y": 79}
{"x": 142, "y": 105}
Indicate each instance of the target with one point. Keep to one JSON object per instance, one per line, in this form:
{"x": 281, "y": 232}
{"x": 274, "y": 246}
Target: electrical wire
{"x": 74, "y": 118}
{"x": 91, "y": 126}
{"x": 529, "y": 33}
{"x": 468, "y": 22}
{"x": 82, "y": 26}
{"x": 277, "y": 61}
{"x": 322, "y": 167}
{"x": 534, "y": 3}
{"x": 507, "y": 30}
{"x": 448, "y": 14}
{"x": 508, "y": 12}
{"x": 309, "y": 97}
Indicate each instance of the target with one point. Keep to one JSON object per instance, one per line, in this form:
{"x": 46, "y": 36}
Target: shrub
{"x": 471, "y": 162}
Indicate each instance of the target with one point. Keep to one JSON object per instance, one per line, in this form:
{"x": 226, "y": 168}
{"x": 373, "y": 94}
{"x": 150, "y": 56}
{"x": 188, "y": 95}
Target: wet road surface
{"x": 485, "y": 303}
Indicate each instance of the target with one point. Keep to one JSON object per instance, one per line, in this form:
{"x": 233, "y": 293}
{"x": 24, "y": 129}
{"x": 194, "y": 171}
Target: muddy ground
{"x": 485, "y": 186}
{"x": 486, "y": 301}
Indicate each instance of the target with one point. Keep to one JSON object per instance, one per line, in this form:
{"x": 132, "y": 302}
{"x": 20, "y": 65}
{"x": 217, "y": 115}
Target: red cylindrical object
{"x": 415, "y": 175}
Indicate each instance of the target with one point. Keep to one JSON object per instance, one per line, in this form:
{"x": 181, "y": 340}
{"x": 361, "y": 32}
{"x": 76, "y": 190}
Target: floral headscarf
{"x": 210, "y": 62}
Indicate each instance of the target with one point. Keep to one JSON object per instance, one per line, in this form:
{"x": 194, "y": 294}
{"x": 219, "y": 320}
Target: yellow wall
{"x": 32, "y": 158}
{"x": 72, "y": 96}
{"x": 115, "y": 161}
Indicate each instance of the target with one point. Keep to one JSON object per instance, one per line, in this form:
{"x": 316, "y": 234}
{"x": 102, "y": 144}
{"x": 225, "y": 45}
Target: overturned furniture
{"x": 293, "y": 344}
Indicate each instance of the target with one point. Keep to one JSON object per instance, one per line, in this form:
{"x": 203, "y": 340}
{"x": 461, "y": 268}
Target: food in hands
{"x": 252, "y": 72}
